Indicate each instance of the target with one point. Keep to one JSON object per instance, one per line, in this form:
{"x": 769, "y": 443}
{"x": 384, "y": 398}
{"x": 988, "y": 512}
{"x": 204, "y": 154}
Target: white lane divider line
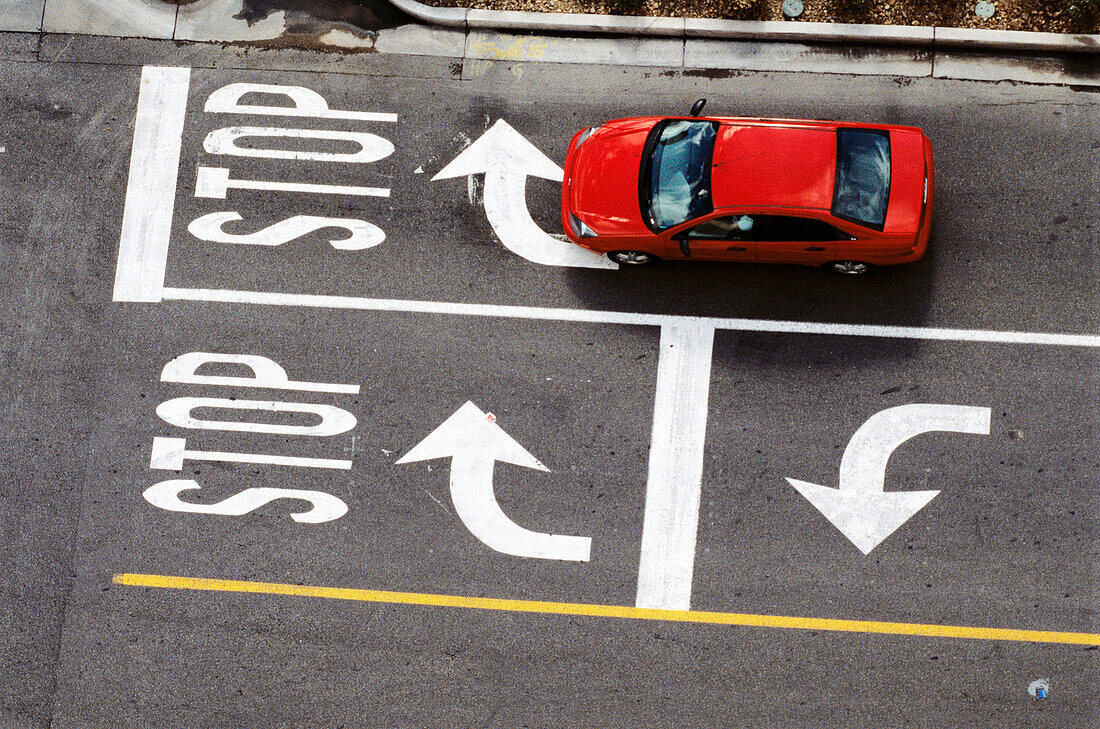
{"x": 592, "y": 316}
{"x": 151, "y": 190}
{"x": 675, "y": 467}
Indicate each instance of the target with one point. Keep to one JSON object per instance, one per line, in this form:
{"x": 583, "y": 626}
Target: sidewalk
{"x": 693, "y": 47}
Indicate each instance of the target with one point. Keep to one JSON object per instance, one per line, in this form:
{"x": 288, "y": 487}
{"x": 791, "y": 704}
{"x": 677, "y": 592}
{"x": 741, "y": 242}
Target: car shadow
{"x": 893, "y": 296}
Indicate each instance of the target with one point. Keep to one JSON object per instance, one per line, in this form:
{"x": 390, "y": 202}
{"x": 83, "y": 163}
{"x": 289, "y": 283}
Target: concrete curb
{"x": 793, "y": 32}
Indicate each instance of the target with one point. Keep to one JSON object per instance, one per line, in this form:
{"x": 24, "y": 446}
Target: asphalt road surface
{"x": 643, "y": 423}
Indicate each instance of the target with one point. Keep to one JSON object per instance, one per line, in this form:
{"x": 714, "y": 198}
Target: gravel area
{"x": 1056, "y": 16}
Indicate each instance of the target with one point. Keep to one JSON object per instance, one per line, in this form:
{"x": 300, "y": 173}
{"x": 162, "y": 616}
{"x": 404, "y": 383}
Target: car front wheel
{"x": 631, "y": 258}
{"x": 850, "y": 268}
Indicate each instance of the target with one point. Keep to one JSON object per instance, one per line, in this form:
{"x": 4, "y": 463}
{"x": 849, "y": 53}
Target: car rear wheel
{"x": 632, "y": 258}
{"x": 850, "y": 268}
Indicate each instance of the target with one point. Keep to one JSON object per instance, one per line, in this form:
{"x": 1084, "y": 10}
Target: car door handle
{"x": 737, "y": 248}
{"x": 816, "y": 248}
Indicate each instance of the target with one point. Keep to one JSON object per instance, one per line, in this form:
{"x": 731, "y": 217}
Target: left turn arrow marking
{"x": 860, "y": 508}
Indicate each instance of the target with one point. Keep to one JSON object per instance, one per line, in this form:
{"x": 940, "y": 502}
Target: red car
{"x": 844, "y": 195}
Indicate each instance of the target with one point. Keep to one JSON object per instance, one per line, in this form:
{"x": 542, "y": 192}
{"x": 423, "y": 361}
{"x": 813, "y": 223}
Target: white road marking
{"x": 264, "y": 298}
{"x": 266, "y": 373}
{"x": 362, "y": 235}
{"x": 169, "y": 454}
{"x": 334, "y": 420}
{"x": 214, "y": 182}
{"x": 325, "y": 507}
{"x": 474, "y": 443}
{"x": 307, "y": 102}
{"x": 507, "y": 159}
{"x": 859, "y": 508}
{"x": 371, "y": 146}
{"x": 675, "y": 467}
{"x": 151, "y": 189}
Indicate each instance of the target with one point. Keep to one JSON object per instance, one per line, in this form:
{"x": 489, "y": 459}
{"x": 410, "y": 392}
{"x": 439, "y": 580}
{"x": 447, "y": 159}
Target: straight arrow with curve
{"x": 474, "y": 444}
{"x": 507, "y": 160}
{"x": 860, "y": 508}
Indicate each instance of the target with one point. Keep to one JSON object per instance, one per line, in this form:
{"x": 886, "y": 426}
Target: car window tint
{"x": 862, "y": 187}
{"x": 789, "y": 227}
{"x": 678, "y": 172}
{"x": 719, "y": 229}
{"x": 766, "y": 228}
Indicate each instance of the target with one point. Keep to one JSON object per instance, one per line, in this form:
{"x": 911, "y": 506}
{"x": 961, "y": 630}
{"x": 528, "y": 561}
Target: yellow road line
{"x": 609, "y": 611}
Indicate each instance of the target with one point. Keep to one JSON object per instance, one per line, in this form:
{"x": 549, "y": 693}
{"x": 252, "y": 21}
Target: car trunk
{"x": 903, "y": 212}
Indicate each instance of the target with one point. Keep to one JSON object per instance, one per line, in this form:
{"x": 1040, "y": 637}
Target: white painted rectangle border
{"x": 228, "y": 296}
{"x": 681, "y": 403}
{"x": 151, "y": 190}
{"x": 673, "y": 486}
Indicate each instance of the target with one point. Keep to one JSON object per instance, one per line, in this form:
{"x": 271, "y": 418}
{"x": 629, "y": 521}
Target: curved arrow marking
{"x": 507, "y": 159}
{"x": 474, "y": 444}
{"x": 860, "y": 508}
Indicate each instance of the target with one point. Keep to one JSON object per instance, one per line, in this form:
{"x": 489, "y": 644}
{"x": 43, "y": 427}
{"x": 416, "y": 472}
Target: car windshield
{"x": 862, "y": 186}
{"x": 675, "y": 176}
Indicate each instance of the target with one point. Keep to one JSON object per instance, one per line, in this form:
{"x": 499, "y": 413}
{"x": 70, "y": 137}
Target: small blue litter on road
{"x": 1039, "y": 688}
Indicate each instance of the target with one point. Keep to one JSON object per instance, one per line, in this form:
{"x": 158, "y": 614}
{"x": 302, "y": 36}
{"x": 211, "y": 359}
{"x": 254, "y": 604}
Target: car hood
{"x": 602, "y": 178}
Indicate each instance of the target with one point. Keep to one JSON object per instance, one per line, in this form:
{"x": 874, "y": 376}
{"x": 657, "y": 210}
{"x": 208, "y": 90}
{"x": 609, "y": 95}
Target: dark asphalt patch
{"x": 370, "y": 15}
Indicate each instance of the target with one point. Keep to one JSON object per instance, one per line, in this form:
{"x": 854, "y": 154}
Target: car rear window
{"x": 862, "y": 186}
{"x": 675, "y": 175}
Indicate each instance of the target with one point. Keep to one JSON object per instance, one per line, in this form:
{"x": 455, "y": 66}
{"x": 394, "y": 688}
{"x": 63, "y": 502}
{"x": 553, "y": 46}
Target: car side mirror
{"x": 697, "y": 107}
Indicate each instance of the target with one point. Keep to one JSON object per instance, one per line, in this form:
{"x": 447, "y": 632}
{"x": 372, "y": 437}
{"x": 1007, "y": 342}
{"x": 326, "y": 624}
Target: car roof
{"x": 775, "y": 164}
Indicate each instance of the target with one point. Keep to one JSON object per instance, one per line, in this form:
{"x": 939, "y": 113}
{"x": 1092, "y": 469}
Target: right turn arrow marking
{"x": 507, "y": 159}
{"x": 475, "y": 444}
{"x": 860, "y": 508}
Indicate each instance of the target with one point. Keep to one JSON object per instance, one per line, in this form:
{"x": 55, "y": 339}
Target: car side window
{"x": 790, "y": 227}
{"x": 731, "y": 227}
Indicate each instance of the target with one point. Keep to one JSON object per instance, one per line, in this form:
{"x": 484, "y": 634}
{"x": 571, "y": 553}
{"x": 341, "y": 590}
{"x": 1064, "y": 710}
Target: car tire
{"x": 850, "y": 268}
{"x": 632, "y": 258}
